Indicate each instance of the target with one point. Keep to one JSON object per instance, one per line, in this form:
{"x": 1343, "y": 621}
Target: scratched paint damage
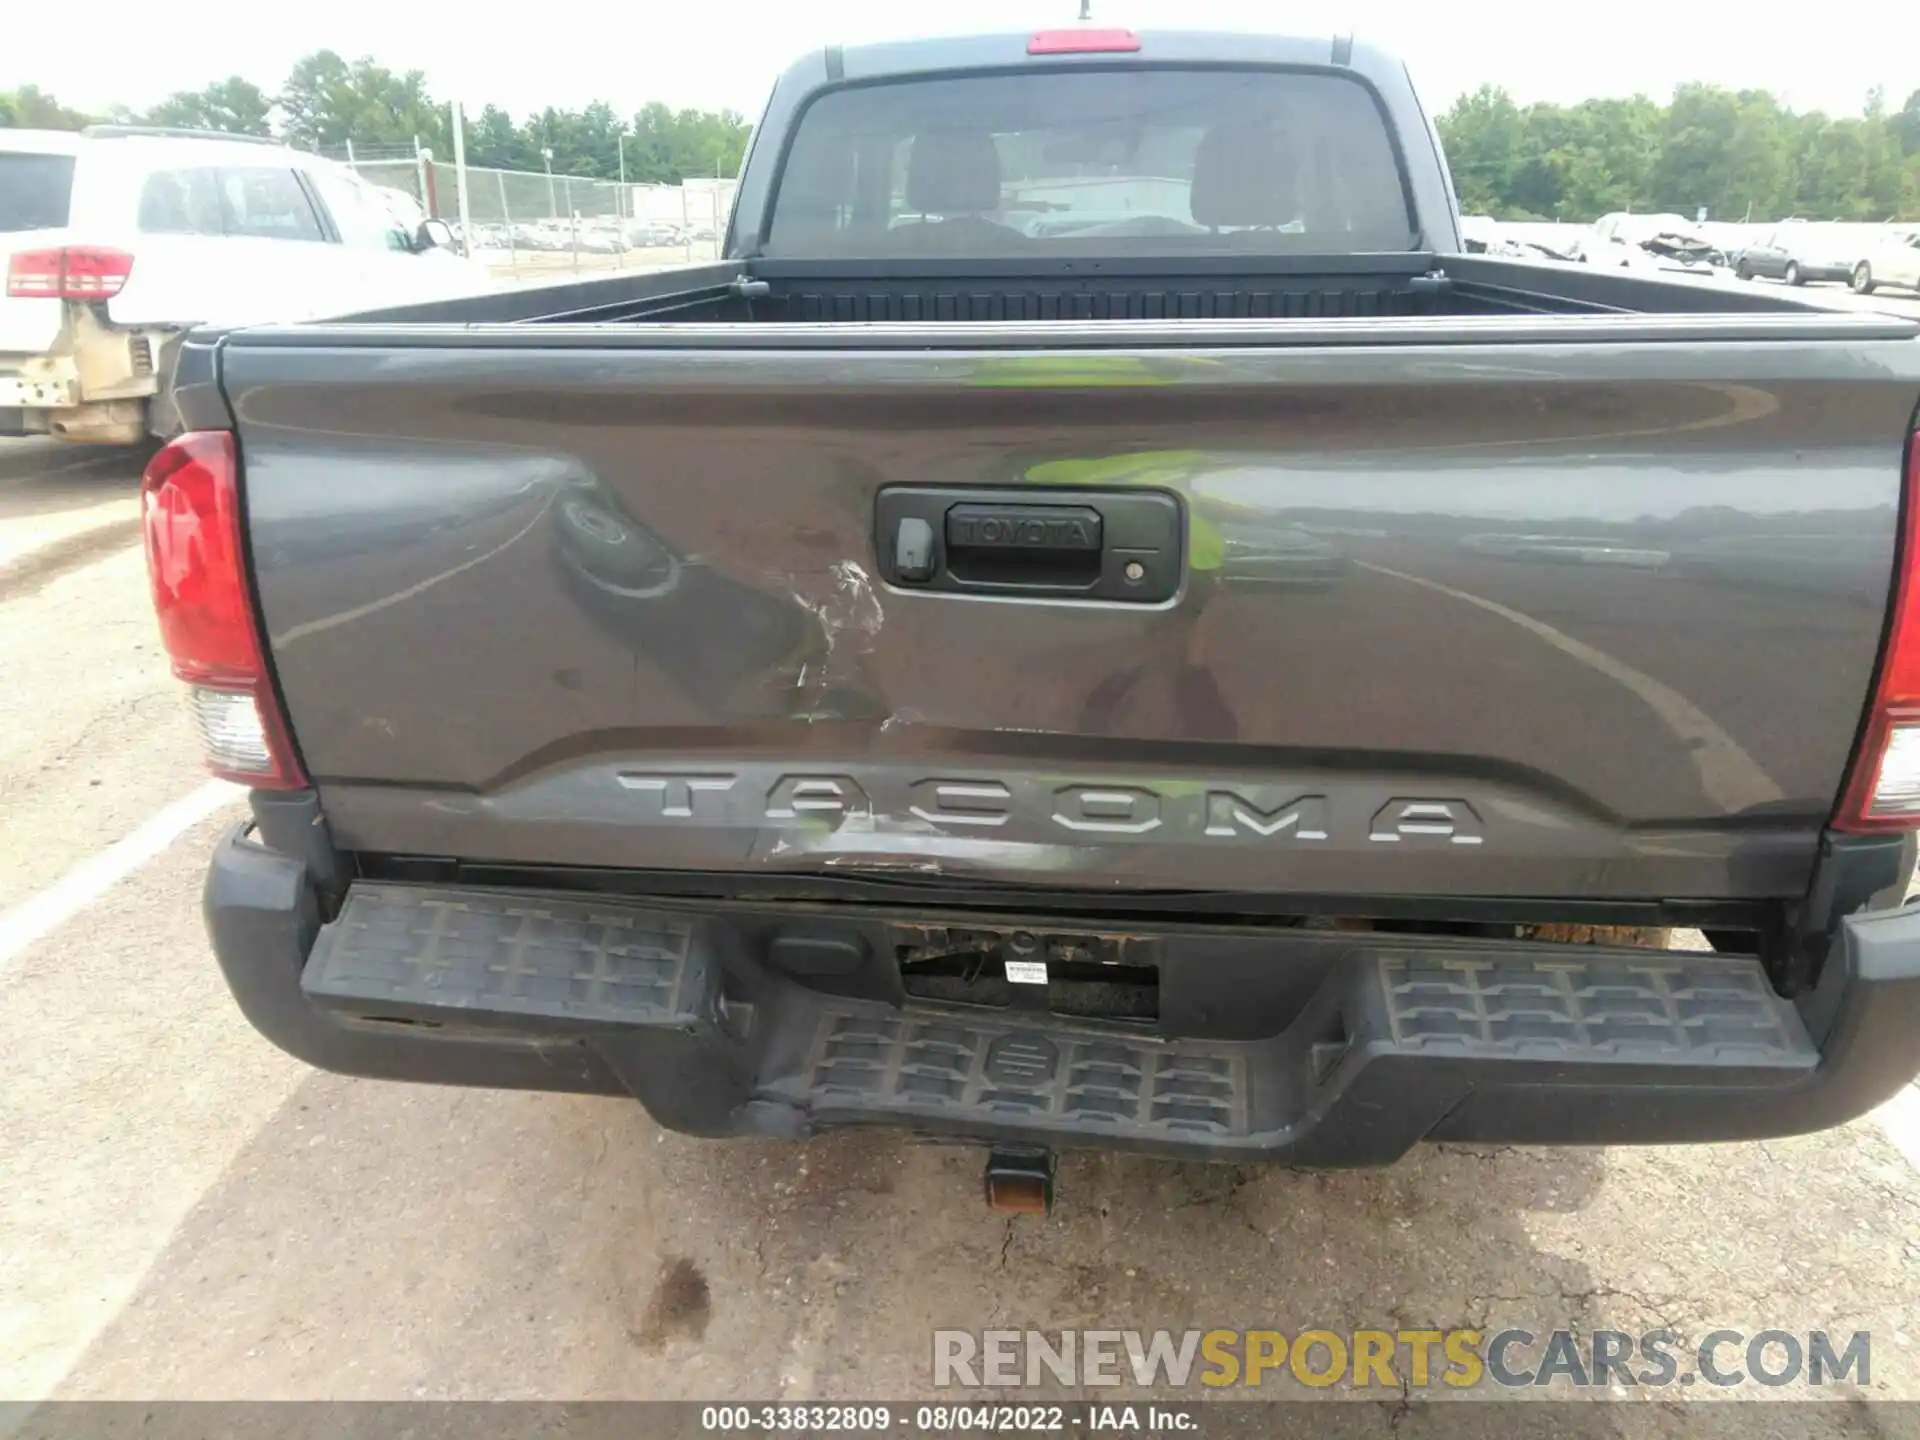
{"x": 864, "y": 841}
{"x": 832, "y": 683}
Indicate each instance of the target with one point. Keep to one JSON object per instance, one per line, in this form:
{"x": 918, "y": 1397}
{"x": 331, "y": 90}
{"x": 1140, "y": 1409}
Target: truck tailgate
{"x": 1573, "y": 608}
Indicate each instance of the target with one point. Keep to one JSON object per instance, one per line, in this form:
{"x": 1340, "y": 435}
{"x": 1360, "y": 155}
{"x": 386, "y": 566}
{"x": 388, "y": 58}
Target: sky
{"x": 716, "y": 55}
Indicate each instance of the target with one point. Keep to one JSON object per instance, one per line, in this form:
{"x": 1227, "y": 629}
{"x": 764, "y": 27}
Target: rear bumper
{"x": 1383, "y": 1043}
{"x": 116, "y": 365}
{"x": 38, "y": 382}
{"x": 95, "y": 385}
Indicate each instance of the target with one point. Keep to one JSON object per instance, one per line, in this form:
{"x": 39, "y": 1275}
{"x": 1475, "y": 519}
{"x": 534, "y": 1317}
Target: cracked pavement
{"x": 191, "y": 1214}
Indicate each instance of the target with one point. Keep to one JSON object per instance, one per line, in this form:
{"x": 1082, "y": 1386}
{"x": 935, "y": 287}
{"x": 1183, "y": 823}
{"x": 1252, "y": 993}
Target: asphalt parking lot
{"x": 1896, "y": 302}
{"x": 190, "y": 1214}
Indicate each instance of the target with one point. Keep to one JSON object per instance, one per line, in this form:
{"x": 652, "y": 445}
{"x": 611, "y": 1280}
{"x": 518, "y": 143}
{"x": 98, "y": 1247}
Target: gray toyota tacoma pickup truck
{"x": 1095, "y": 623}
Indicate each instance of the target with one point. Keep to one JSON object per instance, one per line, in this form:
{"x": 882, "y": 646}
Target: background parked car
{"x": 1797, "y": 251}
{"x": 602, "y": 235}
{"x": 119, "y": 240}
{"x": 1663, "y": 242}
{"x": 1730, "y": 238}
{"x": 1894, "y": 261}
{"x": 646, "y": 234}
{"x": 1616, "y": 239}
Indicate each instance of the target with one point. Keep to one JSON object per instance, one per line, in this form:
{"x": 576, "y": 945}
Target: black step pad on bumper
{"x": 1607, "y": 1017}
{"x": 991, "y": 1072}
{"x": 1662, "y": 1008}
{"x": 483, "y": 958}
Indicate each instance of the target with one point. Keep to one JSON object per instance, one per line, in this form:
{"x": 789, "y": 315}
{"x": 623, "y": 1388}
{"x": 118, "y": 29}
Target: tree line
{"x": 1740, "y": 153}
{"x": 328, "y": 102}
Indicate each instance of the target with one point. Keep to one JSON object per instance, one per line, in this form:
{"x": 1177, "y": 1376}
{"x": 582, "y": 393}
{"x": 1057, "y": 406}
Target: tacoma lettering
{"x": 962, "y": 802}
{"x": 1452, "y": 821}
{"x": 1105, "y": 810}
{"x": 676, "y": 792}
{"x": 1248, "y": 813}
{"x": 1228, "y": 814}
{"x": 793, "y": 796}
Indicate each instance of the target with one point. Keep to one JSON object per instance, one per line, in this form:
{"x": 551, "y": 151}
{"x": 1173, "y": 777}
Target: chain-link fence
{"x": 532, "y": 221}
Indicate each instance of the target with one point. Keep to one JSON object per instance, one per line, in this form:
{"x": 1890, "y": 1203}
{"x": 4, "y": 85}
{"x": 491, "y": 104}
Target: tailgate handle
{"x": 1054, "y": 547}
{"x": 1123, "y": 546}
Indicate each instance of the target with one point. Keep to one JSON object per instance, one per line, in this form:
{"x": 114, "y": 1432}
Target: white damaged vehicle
{"x": 118, "y": 240}
{"x": 1665, "y": 242}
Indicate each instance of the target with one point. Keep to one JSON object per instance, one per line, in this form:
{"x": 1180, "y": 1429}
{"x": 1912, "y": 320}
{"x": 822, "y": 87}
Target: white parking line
{"x": 1899, "y": 1121}
{"x": 38, "y": 916}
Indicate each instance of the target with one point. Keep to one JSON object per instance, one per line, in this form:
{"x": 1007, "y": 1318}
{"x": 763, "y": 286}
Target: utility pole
{"x": 553, "y": 205}
{"x": 506, "y": 218}
{"x": 573, "y": 225}
{"x": 460, "y": 178}
{"x": 429, "y": 185}
{"x": 421, "y": 175}
{"x": 622, "y": 206}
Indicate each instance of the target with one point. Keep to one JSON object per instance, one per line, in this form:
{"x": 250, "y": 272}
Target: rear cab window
{"x": 36, "y": 191}
{"x": 1129, "y": 160}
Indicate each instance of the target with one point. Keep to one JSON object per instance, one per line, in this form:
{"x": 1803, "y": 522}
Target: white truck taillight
{"x": 1883, "y": 788}
{"x": 70, "y": 272}
{"x": 190, "y": 513}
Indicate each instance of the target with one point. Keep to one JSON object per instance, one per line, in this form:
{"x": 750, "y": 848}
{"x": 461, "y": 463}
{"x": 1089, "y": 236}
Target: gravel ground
{"x": 540, "y": 267}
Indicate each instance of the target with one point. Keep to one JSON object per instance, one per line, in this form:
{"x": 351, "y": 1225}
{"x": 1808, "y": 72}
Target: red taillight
{"x": 190, "y": 512}
{"x": 36, "y": 274}
{"x": 1883, "y": 785}
{"x": 1083, "y": 42}
{"x": 72, "y": 272}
